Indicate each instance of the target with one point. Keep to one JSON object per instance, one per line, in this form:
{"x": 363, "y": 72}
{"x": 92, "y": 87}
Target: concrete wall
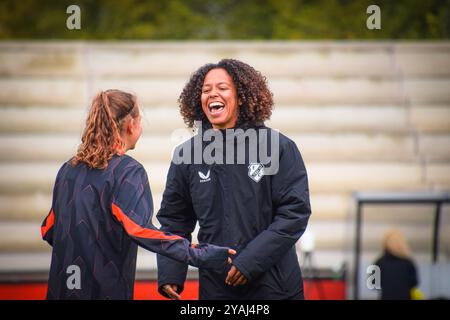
{"x": 366, "y": 116}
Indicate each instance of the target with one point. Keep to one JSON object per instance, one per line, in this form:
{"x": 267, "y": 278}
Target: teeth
{"x": 215, "y": 104}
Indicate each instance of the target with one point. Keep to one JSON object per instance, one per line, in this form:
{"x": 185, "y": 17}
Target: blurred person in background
{"x": 399, "y": 278}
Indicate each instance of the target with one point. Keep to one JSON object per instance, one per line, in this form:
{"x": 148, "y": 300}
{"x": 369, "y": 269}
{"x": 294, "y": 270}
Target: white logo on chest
{"x": 256, "y": 171}
{"x": 204, "y": 177}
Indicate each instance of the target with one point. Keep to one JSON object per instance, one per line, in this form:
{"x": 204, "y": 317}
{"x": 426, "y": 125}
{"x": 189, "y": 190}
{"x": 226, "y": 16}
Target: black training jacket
{"x": 243, "y": 207}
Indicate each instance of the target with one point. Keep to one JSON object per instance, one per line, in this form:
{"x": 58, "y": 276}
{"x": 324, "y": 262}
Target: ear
{"x": 130, "y": 126}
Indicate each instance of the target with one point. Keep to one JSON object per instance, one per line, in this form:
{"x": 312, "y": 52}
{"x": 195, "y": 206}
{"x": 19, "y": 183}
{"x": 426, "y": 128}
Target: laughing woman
{"x": 102, "y": 210}
{"x": 245, "y": 205}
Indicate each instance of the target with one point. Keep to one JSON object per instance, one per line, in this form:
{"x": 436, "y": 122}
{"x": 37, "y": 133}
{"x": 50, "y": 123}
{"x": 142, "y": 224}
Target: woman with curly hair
{"x": 237, "y": 203}
{"x": 102, "y": 210}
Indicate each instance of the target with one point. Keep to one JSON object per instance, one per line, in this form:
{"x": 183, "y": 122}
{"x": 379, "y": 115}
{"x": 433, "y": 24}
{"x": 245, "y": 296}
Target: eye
{"x": 206, "y": 90}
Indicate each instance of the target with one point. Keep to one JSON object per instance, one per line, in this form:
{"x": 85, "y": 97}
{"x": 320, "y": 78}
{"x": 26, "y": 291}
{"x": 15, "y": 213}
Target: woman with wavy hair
{"x": 245, "y": 203}
{"x": 102, "y": 210}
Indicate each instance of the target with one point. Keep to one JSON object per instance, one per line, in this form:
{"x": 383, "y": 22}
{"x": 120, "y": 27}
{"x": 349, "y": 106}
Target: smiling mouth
{"x": 216, "y": 107}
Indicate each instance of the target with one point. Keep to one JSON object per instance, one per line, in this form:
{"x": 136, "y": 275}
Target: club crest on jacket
{"x": 256, "y": 171}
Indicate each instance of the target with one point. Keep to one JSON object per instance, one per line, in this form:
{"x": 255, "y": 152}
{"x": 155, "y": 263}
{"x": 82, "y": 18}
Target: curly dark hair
{"x": 254, "y": 96}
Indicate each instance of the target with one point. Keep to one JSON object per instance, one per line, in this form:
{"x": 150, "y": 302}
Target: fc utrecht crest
{"x": 256, "y": 171}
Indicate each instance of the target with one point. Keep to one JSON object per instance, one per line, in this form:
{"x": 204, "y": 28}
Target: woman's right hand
{"x": 211, "y": 256}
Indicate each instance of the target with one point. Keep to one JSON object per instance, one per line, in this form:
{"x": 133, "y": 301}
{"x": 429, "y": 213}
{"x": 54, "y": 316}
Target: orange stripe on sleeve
{"x": 50, "y": 220}
{"x": 136, "y": 230}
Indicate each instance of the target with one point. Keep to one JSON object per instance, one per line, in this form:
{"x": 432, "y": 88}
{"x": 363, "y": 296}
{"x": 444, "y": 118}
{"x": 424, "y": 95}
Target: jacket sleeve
{"x": 47, "y": 227}
{"x": 177, "y": 216}
{"x": 132, "y": 206}
{"x": 290, "y": 198}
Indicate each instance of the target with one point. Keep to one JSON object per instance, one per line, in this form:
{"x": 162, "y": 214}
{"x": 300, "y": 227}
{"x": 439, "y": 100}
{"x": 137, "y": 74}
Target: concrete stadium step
{"x": 434, "y": 147}
{"x": 301, "y": 118}
{"x": 23, "y": 178}
{"x": 155, "y": 91}
{"x": 286, "y": 118}
{"x": 175, "y": 58}
{"x": 342, "y": 206}
{"x": 44, "y": 91}
{"x": 340, "y": 118}
{"x": 35, "y": 206}
{"x": 427, "y": 91}
{"x": 54, "y": 58}
{"x": 333, "y": 235}
{"x": 49, "y": 147}
{"x": 430, "y": 118}
{"x": 331, "y": 177}
{"x": 25, "y": 207}
{"x": 42, "y": 119}
{"x": 314, "y": 146}
{"x": 39, "y": 261}
{"x": 324, "y": 176}
{"x": 325, "y": 206}
{"x": 146, "y": 261}
{"x": 318, "y": 91}
{"x": 69, "y": 73}
{"x": 329, "y": 235}
{"x": 25, "y": 261}
{"x": 356, "y": 147}
{"x": 438, "y": 175}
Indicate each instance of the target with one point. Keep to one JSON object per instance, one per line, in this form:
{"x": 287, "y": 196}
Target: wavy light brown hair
{"x": 254, "y": 96}
{"x": 101, "y": 137}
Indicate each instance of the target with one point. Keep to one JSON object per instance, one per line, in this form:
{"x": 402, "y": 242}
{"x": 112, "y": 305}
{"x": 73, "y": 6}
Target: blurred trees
{"x": 225, "y": 19}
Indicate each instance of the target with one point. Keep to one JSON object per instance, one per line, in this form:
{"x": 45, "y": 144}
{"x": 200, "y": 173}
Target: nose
{"x": 213, "y": 93}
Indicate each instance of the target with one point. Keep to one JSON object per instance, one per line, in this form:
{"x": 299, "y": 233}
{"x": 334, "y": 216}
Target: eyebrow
{"x": 220, "y": 83}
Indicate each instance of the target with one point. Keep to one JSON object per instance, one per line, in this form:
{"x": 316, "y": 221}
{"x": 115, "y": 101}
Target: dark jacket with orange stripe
{"x": 97, "y": 220}
{"x": 261, "y": 218}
